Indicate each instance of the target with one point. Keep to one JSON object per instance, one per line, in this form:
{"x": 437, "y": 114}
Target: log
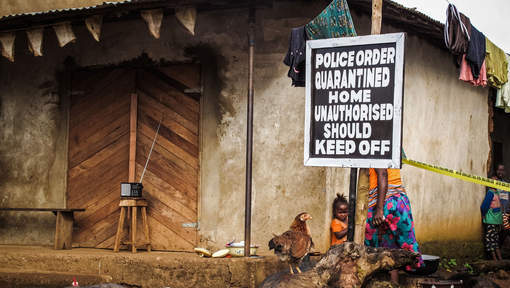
{"x": 485, "y": 266}
{"x": 346, "y": 265}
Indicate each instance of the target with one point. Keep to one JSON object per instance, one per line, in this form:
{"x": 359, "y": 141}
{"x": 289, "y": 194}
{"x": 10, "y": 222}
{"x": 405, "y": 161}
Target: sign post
{"x": 361, "y": 194}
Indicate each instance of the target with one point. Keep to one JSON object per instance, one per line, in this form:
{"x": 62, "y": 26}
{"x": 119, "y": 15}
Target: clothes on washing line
{"x": 497, "y": 65}
{"x": 457, "y": 31}
{"x": 503, "y": 95}
{"x": 333, "y": 22}
{"x": 476, "y": 51}
{"x": 467, "y": 75}
{"x": 295, "y": 57}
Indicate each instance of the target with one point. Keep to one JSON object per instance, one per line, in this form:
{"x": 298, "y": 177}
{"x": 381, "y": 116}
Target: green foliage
{"x": 448, "y": 264}
{"x": 469, "y": 268}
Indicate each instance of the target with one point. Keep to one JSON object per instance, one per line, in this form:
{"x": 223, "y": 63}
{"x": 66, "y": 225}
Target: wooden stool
{"x": 131, "y": 205}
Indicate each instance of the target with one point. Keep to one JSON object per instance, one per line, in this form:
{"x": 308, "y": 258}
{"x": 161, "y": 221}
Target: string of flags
{"x": 153, "y": 18}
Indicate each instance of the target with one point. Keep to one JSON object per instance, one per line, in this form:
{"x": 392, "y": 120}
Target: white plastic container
{"x": 239, "y": 251}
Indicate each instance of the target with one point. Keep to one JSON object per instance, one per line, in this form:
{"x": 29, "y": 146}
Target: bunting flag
{"x": 7, "y": 41}
{"x": 35, "y": 39}
{"x": 188, "y": 17}
{"x": 94, "y": 24}
{"x": 153, "y": 18}
{"x": 65, "y": 34}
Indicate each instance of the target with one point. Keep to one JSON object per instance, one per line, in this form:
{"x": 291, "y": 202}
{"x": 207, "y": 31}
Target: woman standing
{"x": 389, "y": 221}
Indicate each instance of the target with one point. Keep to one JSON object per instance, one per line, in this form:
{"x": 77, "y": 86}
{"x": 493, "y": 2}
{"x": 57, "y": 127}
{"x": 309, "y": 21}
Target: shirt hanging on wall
{"x": 333, "y": 22}
{"x": 503, "y": 95}
{"x": 466, "y": 75}
{"x": 497, "y": 65}
{"x": 295, "y": 57}
{"x": 476, "y": 51}
{"x": 457, "y": 31}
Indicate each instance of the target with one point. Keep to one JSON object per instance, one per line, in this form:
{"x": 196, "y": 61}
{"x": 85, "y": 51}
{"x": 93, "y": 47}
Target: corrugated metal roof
{"x": 105, "y": 4}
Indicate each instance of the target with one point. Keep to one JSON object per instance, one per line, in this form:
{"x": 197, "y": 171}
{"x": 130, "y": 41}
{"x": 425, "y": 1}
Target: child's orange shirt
{"x": 337, "y": 226}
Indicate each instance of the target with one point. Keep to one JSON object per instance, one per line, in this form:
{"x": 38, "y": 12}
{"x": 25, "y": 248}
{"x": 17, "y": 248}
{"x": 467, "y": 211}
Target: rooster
{"x": 293, "y": 245}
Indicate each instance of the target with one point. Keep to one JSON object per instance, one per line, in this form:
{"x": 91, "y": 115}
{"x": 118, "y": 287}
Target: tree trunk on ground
{"x": 346, "y": 265}
{"x": 491, "y": 266}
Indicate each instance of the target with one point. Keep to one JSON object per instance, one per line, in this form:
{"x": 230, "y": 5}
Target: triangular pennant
{"x": 94, "y": 24}
{"x": 35, "y": 39}
{"x": 153, "y": 18}
{"x": 65, "y": 33}
{"x": 7, "y": 41}
{"x": 188, "y": 17}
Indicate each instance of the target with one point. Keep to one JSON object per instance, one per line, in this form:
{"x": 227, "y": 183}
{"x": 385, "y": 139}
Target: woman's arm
{"x": 382, "y": 188}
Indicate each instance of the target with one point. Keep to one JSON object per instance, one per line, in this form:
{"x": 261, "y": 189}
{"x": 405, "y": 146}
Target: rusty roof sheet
{"x": 105, "y": 4}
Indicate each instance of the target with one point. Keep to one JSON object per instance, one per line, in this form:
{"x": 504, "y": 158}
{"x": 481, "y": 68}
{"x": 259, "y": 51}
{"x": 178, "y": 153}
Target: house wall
{"x": 441, "y": 117}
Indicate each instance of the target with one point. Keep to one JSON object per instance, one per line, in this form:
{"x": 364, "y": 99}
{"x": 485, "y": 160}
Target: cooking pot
{"x": 431, "y": 263}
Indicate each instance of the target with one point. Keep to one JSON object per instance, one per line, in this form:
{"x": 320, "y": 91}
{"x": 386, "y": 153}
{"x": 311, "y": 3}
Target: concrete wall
{"x": 9, "y": 7}
{"x": 441, "y": 118}
{"x": 33, "y": 147}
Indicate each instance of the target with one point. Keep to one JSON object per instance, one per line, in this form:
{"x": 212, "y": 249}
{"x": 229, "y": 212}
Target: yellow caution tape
{"x": 460, "y": 175}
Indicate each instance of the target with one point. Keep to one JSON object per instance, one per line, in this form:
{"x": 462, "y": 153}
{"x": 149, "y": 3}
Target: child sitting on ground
{"x": 492, "y": 220}
{"x": 339, "y": 223}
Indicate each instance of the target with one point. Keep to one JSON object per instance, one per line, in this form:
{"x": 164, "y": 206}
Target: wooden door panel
{"x": 99, "y": 152}
{"x": 171, "y": 180}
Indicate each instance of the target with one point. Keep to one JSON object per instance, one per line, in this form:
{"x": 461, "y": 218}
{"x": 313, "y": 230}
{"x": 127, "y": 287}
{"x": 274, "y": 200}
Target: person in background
{"x": 505, "y": 203}
{"x": 389, "y": 220}
{"x": 339, "y": 222}
{"x": 492, "y": 219}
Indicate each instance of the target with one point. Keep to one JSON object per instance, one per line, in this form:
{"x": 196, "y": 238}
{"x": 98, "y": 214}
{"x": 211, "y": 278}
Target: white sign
{"x": 354, "y": 99}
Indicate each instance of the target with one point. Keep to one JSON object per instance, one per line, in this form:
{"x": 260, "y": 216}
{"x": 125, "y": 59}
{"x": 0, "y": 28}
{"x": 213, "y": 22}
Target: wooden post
{"x": 352, "y": 204}
{"x": 376, "y": 17}
{"x": 361, "y": 206}
{"x": 363, "y": 181}
{"x": 120, "y": 227}
{"x": 64, "y": 230}
{"x": 132, "y": 137}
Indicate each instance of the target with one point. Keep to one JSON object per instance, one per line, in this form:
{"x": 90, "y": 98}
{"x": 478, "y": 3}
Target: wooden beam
{"x": 64, "y": 230}
{"x": 132, "y": 137}
{"x": 376, "y": 16}
{"x": 363, "y": 181}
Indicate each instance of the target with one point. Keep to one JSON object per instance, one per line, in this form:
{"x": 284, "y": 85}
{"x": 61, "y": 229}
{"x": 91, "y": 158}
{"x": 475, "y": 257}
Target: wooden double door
{"x": 99, "y": 151}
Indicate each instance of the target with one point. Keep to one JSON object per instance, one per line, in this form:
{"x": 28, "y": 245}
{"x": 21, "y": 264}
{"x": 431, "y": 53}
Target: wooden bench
{"x": 64, "y": 226}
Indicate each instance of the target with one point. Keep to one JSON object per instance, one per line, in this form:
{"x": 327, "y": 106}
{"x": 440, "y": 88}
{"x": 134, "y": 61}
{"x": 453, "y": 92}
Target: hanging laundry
{"x": 497, "y": 65}
{"x": 333, "y": 22}
{"x": 295, "y": 57}
{"x": 466, "y": 75}
{"x": 476, "y": 51}
{"x": 503, "y": 95}
{"x": 457, "y": 31}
